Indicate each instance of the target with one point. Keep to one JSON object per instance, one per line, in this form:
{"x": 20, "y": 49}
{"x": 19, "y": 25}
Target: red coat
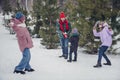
{"x": 23, "y": 36}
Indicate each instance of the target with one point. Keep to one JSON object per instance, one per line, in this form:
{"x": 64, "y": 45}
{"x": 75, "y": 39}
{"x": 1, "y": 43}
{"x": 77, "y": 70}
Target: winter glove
{"x": 65, "y": 35}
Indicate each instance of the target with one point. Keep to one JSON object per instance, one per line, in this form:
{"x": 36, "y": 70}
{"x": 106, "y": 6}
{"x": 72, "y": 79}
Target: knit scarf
{"x": 64, "y": 23}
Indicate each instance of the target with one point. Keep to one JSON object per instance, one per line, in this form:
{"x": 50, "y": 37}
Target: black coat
{"x": 74, "y": 42}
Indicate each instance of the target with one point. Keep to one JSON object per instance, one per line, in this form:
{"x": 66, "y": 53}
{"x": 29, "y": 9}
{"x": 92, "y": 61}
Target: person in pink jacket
{"x": 105, "y": 35}
{"x": 24, "y": 41}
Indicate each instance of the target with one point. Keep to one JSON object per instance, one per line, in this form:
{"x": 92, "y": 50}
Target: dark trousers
{"x": 102, "y": 50}
{"x": 73, "y": 49}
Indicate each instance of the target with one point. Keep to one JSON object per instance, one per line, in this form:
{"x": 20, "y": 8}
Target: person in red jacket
{"x": 24, "y": 41}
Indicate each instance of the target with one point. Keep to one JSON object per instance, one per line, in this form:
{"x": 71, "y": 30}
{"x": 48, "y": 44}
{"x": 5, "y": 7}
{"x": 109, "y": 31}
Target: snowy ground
{"x": 48, "y": 66}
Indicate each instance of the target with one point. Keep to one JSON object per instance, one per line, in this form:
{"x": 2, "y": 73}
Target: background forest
{"x": 41, "y": 19}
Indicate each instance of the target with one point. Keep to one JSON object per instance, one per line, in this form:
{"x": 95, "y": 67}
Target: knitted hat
{"x": 74, "y": 30}
{"x": 22, "y": 19}
{"x": 19, "y": 15}
{"x": 62, "y": 15}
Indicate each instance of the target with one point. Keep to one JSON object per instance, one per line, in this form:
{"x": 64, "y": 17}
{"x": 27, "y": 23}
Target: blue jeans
{"x": 24, "y": 63}
{"x": 102, "y": 50}
{"x": 64, "y": 45}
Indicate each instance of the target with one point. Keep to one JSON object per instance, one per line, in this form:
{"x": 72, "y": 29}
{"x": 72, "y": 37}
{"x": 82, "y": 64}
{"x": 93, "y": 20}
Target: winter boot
{"x": 61, "y": 56}
{"x": 21, "y": 72}
{"x": 66, "y": 56}
{"x": 69, "y": 60}
{"x": 74, "y": 60}
{"x": 108, "y": 63}
{"x": 29, "y": 70}
{"x": 97, "y": 66}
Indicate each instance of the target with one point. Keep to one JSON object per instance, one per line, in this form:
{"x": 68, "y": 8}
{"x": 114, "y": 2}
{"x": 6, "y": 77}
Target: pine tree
{"x": 83, "y": 14}
{"x": 115, "y": 14}
{"x": 79, "y": 15}
{"x": 6, "y": 7}
{"x": 46, "y": 11}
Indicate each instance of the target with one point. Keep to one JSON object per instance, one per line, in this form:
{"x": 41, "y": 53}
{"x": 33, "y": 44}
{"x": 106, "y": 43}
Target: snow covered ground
{"x": 47, "y": 64}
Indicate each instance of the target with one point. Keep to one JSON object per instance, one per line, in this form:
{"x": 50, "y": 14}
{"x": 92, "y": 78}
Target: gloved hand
{"x": 65, "y": 35}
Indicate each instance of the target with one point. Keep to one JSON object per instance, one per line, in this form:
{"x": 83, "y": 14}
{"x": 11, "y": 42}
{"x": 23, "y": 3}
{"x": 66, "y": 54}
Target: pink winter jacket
{"x": 22, "y": 34}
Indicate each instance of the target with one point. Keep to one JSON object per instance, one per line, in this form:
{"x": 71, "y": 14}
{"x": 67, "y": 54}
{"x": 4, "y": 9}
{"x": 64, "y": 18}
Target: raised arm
{"x": 97, "y": 34}
{"x": 108, "y": 29}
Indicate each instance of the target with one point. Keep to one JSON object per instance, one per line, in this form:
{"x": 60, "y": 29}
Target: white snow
{"x": 47, "y": 64}
{"x": 117, "y": 47}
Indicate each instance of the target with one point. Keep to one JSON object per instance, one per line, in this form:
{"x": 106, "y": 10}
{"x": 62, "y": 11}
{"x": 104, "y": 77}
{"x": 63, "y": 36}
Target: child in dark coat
{"x": 74, "y": 39}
